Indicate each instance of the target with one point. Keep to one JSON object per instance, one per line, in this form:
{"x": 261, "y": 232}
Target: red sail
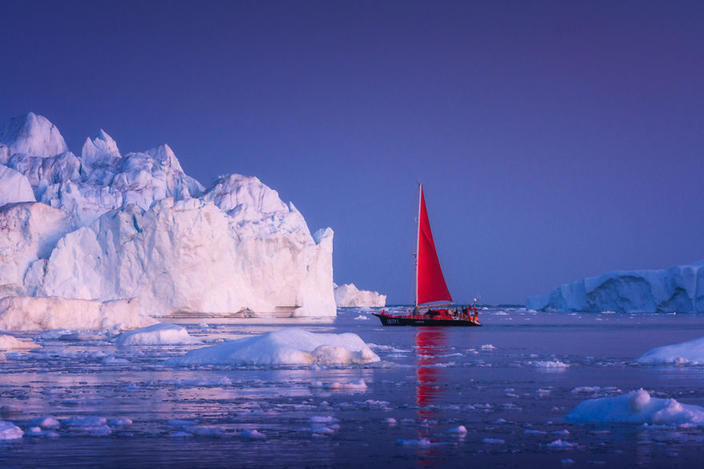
{"x": 430, "y": 283}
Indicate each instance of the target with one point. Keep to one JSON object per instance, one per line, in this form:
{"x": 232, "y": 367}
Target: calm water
{"x": 510, "y": 383}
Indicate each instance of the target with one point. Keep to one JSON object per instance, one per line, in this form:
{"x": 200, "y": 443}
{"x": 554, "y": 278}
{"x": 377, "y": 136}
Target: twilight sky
{"x": 555, "y": 140}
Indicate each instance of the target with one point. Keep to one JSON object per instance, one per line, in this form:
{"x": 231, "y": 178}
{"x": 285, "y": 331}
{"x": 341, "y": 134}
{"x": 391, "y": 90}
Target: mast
{"x": 420, "y": 193}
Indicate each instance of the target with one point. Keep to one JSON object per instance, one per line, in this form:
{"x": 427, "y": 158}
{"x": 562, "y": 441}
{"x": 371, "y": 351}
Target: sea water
{"x": 495, "y": 395}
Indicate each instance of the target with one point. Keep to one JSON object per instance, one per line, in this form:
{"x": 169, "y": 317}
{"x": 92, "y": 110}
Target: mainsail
{"x": 430, "y": 283}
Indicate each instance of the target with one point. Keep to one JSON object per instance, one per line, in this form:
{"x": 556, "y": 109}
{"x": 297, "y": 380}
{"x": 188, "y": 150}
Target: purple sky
{"x": 556, "y": 140}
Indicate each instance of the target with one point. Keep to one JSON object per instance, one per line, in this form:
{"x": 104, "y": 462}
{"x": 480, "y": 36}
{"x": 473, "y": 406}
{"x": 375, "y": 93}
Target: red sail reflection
{"x": 431, "y": 345}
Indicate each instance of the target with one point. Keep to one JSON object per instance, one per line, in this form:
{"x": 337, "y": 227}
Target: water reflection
{"x": 431, "y": 353}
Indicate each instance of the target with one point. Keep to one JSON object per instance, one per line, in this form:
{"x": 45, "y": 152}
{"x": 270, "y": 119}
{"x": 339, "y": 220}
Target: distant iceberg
{"x": 107, "y": 226}
{"x": 349, "y": 295}
{"x": 677, "y": 289}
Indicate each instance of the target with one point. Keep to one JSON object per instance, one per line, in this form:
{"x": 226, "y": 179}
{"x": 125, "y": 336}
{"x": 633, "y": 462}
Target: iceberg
{"x": 107, "y": 226}
{"x": 285, "y": 347}
{"x": 636, "y": 407}
{"x": 685, "y": 353}
{"x": 677, "y": 289}
{"x": 349, "y": 295}
{"x": 10, "y": 431}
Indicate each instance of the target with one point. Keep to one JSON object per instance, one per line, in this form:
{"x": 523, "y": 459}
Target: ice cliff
{"x": 679, "y": 288}
{"x": 349, "y": 295}
{"x": 107, "y": 226}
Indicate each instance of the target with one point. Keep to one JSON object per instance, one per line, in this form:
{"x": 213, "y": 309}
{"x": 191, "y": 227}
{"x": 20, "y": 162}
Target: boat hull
{"x": 388, "y": 320}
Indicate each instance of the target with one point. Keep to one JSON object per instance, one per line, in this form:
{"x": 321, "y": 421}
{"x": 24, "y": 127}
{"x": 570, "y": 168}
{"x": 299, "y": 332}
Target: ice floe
{"x": 636, "y": 407}
{"x": 685, "y": 353}
{"x": 290, "y": 346}
{"x": 158, "y": 334}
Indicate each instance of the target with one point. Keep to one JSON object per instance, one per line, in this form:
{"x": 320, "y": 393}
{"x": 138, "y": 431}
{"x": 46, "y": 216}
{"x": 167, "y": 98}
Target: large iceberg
{"x": 349, "y": 295}
{"x": 106, "y": 226}
{"x": 677, "y": 289}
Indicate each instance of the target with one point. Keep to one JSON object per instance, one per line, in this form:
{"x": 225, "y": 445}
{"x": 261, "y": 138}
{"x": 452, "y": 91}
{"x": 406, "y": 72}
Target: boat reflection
{"x": 431, "y": 353}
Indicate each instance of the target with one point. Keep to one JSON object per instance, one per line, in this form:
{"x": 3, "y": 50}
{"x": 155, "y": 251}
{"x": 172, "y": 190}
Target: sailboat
{"x": 433, "y": 303}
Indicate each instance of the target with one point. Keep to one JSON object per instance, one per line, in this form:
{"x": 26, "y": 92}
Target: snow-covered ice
{"x": 677, "y": 289}
{"x": 158, "y": 334}
{"x": 685, "y": 353}
{"x": 290, "y": 346}
{"x": 636, "y": 407}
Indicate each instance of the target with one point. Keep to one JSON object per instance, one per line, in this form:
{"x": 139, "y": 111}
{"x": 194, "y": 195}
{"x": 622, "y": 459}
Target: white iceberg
{"x": 109, "y": 226}
{"x": 677, "y": 289}
{"x": 348, "y": 295}
{"x": 685, "y": 353}
{"x": 636, "y": 407}
{"x": 158, "y": 334}
{"x": 288, "y": 347}
{"x": 24, "y": 313}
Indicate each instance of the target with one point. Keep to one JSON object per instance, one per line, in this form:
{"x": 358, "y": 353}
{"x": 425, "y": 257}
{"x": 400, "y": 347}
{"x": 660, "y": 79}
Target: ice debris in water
{"x": 487, "y": 347}
{"x": 493, "y": 441}
{"x": 10, "y": 431}
{"x": 460, "y": 430}
{"x": 252, "y": 435}
{"x": 549, "y": 364}
{"x": 685, "y": 353}
{"x": 289, "y": 346}
{"x": 158, "y": 334}
{"x": 361, "y": 317}
{"x": 636, "y": 407}
{"x": 561, "y": 444}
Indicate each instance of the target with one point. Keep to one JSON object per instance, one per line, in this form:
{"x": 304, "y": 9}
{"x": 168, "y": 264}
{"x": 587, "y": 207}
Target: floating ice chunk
{"x": 460, "y": 430}
{"x": 561, "y": 444}
{"x": 349, "y": 295}
{"x": 685, "y": 353}
{"x": 252, "y": 435}
{"x": 487, "y": 347}
{"x": 493, "y": 441}
{"x": 360, "y": 385}
{"x": 120, "y": 422}
{"x": 158, "y": 334}
{"x": 549, "y": 364}
{"x": 362, "y": 317}
{"x": 290, "y": 346}
{"x": 390, "y": 421}
{"x": 421, "y": 442}
{"x": 49, "y": 422}
{"x": 113, "y": 360}
{"x": 9, "y": 431}
{"x": 534, "y": 432}
{"x": 636, "y": 407}
{"x": 8, "y": 342}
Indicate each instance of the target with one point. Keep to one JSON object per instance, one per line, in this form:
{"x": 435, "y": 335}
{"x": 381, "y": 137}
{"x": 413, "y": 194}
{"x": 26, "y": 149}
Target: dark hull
{"x": 424, "y": 322}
